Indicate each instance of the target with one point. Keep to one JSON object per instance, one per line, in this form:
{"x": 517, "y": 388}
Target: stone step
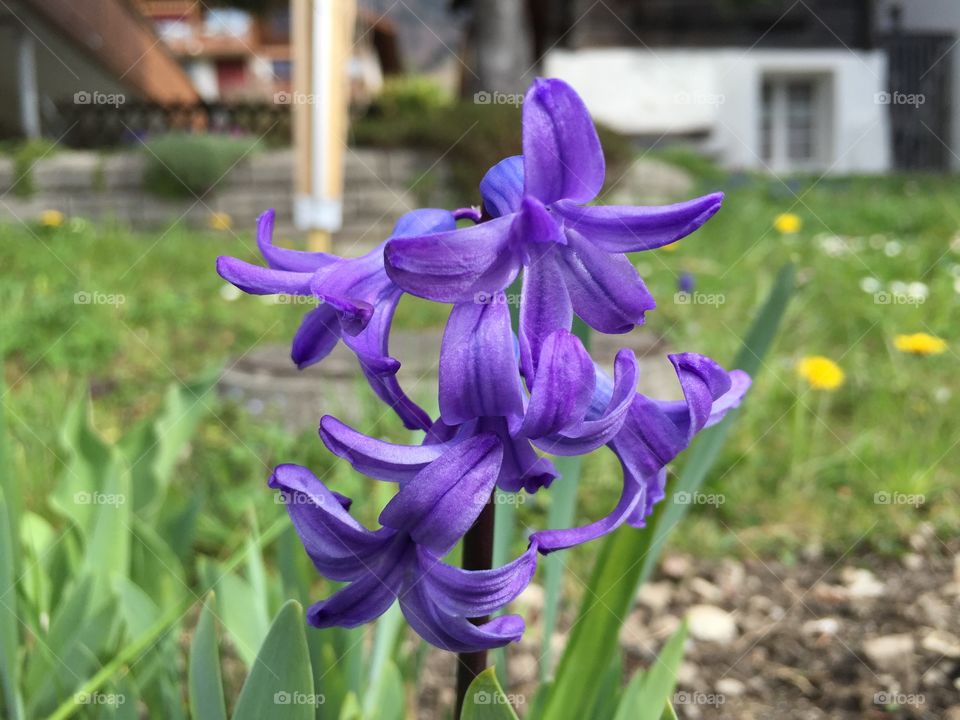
{"x": 266, "y": 382}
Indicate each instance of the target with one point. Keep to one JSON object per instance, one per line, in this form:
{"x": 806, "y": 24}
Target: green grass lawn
{"x": 801, "y": 467}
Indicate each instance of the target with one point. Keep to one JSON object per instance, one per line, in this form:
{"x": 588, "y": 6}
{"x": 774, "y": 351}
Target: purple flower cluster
{"x": 507, "y": 400}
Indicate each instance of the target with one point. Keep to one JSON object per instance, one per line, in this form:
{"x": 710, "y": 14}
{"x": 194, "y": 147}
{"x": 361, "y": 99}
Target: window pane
{"x": 801, "y": 120}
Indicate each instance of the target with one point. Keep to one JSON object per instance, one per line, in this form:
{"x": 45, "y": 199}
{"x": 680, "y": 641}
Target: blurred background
{"x": 140, "y": 139}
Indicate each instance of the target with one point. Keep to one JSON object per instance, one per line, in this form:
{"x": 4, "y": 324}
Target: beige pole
{"x": 322, "y": 43}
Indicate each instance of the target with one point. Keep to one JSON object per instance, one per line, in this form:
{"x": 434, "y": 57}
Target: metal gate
{"x": 918, "y": 97}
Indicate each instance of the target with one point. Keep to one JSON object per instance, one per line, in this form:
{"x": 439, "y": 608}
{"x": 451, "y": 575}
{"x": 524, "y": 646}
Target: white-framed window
{"x": 795, "y": 122}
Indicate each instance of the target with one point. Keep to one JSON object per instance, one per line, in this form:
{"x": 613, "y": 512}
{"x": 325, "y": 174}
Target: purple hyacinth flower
{"x": 685, "y": 283}
{"x": 403, "y": 559}
{"x": 357, "y": 302}
{"x": 573, "y": 254}
{"x": 481, "y": 392}
{"x": 653, "y": 434}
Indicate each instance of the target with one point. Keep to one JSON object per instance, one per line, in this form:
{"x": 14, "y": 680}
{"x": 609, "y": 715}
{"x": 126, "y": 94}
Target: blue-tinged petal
{"x": 355, "y": 287}
{"x": 502, "y": 187}
{"x": 654, "y": 492}
{"x": 259, "y": 280}
{"x": 562, "y": 388}
{"x": 739, "y": 384}
{"x": 534, "y": 225}
{"x": 316, "y": 337}
{"x": 561, "y": 151}
{"x": 626, "y": 228}
{"x": 631, "y": 497}
{"x": 370, "y": 595}
{"x": 703, "y": 382}
{"x": 441, "y": 503}
{"x": 475, "y": 593}
{"x": 587, "y": 436}
{"x": 454, "y": 266}
{"x": 424, "y": 220}
{"x": 452, "y": 633}
{"x": 377, "y": 458}
{"x": 340, "y": 547}
{"x": 371, "y": 346}
{"x": 281, "y": 258}
{"x": 388, "y": 389}
{"x": 523, "y": 469}
{"x": 605, "y": 289}
{"x": 544, "y": 307}
{"x": 478, "y": 367}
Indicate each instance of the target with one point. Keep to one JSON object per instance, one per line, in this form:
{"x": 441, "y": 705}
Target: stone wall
{"x": 380, "y": 186}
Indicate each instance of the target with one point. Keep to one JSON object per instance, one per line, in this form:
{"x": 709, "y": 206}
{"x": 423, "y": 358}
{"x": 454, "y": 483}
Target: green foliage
{"x": 25, "y": 155}
{"x": 617, "y": 571}
{"x": 485, "y": 699}
{"x": 471, "y": 137}
{"x": 190, "y": 165}
{"x": 408, "y": 95}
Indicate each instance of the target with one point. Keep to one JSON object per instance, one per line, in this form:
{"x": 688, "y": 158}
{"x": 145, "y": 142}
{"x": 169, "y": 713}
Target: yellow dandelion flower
{"x": 51, "y": 218}
{"x": 672, "y": 247}
{"x": 920, "y": 344}
{"x": 821, "y": 373}
{"x": 787, "y": 223}
{"x": 219, "y": 221}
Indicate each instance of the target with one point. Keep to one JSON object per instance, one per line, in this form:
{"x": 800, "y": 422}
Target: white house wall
{"x": 717, "y": 92}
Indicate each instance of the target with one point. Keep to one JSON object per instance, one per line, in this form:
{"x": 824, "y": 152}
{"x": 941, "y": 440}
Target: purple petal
{"x": 590, "y": 434}
{"x": 281, "y": 258}
{"x": 630, "y": 498}
{"x": 376, "y": 458}
{"x": 340, "y": 547}
{"x": 653, "y": 493}
{"x": 454, "y": 266}
{"x": 625, "y": 228}
{"x": 532, "y": 226}
{"x": 441, "y": 503}
{"x": 523, "y": 469}
{"x": 502, "y": 187}
{"x": 739, "y": 384}
{"x": 605, "y": 290}
{"x": 475, "y": 593}
{"x": 478, "y": 368}
{"x": 424, "y": 220}
{"x": 368, "y": 597}
{"x": 316, "y": 337}
{"x": 562, "y": 388}
{"x": 561, "y": 151}
{"x": 258, "y": 280}
{"x": 544, "y": 307}
{"x": 456, "y": 634}
{"x": 355, "y": 287}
